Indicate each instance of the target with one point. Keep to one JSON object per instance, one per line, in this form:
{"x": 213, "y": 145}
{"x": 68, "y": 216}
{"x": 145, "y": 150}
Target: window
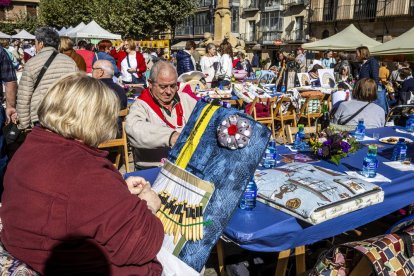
{"x": 252, "y": 31}
{"x": 2, "y": 13}
{"x": 329, "y": 9}
{"x": 365, "y": 9}
{"x": 271, "y": 21}
{"x": 205, "y": 3}
{"x": 411, "y": 12}
{"x": 201, "y": 23}
{"x": 185, "y": 28}
{"x": 235, "y": 19}
{"x": 325, "y": 34}
{"x": 31, "y": 10}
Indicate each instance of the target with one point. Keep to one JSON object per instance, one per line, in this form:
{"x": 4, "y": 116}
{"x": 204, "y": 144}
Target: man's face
{"x": 38, "y": 45}
{"x": 165, "y": 87}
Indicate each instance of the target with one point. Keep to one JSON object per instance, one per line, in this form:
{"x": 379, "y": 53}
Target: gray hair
{"x": 48, "y": 36}
{"x": 158, "y": 66}
{"x": 106, "y": 66}
{"x": 210, "y": 46}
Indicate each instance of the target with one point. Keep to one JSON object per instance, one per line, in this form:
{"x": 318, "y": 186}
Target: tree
{"x": 137, "y": 18}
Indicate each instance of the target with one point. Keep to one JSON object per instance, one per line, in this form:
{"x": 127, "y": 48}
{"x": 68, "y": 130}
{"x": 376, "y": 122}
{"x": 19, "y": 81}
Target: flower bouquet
{"x": 333, "y": 145}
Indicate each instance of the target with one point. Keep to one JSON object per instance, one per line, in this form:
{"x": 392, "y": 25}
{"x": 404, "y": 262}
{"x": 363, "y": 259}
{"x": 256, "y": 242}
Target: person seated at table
{"x": 361, "y": 104}
{"x": 62, "y": 195}
{"x": 156, "y": 119}
{"x": 407, "y": 86}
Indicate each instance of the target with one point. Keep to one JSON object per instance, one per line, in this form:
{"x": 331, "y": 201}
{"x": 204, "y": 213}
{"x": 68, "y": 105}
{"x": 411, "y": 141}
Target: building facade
{"x": 12, "y": 10}
{"x": 379, "y": 19}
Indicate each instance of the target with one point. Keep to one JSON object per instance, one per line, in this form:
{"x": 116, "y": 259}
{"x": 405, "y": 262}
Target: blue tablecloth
{"x": 269, "y": 230}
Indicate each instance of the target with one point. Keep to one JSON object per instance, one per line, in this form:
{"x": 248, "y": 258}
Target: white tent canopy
{"x": 348, "y": 39}
{"x": 3, "y": 35}
{"x": 75, "y": 30}
{"x": 404, "y": 44}
{"x": 23, "y": 34}
{"x": 179, "y": 46}
{"x": 93, "y": 30}
{"x": 62, "y": 31}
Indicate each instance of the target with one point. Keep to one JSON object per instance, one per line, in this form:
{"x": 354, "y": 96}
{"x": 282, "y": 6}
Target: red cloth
{"x": 142, "y": 66}
{"x": 235, "y": 62}
{"x": 56, "y": 188}
{"x": 187, "y": 89}
{"x": 88, "y": 57}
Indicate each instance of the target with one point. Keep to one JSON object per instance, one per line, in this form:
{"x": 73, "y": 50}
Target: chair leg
{"x": 126, "y": 158}
{"x": 282, "y": 262}
{"x": 118, "y": 158}
{"x": 300, "y": 260}
{"x": 220, "y": 255}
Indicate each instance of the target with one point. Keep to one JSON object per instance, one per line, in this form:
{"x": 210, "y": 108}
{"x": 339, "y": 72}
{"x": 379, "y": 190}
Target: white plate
{"x": 393, "y": 140}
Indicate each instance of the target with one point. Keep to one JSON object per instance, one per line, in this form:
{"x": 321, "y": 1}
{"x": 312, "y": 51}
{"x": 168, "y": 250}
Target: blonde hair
{"x": 131, "y": 44}
{"x": 66, "y": 44}
{"x": 80, "y": 107}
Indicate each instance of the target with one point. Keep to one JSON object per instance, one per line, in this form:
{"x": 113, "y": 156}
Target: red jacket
{"x": 58, "y": 189}
{"x": 142, "y": 66}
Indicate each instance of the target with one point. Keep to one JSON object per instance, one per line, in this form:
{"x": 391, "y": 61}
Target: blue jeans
{"x": 3, "y": 156}
{"x": 382, "y": 98}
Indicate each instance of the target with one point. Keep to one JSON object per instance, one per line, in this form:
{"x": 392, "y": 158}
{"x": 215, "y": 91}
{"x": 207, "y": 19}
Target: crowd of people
{"x": 67, "y": 102}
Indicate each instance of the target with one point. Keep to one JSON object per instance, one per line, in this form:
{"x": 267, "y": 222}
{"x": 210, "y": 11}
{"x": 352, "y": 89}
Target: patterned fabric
{"x": 388, "y": 255}
{"x": 7, "y": 72}
{"x": 10, "y": 266}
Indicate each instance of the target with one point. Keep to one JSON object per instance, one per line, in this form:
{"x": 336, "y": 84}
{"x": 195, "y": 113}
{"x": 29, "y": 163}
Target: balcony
{"x": 370, "y": 10}
{"x": 273, "y": 5}
{"x": 251, "y": 6}
{"x": 289, "y": 3}
{"x": 295, "y": 36}
{"x": 249, "y": 38}
{"x": 268, "y": 38}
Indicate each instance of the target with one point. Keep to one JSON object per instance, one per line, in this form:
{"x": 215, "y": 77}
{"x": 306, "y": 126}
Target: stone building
{"x": 11, "y": 10}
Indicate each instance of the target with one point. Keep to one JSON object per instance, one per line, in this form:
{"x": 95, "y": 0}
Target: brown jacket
{"x": 80, "y": 62}
{"x": 28, "y": 100}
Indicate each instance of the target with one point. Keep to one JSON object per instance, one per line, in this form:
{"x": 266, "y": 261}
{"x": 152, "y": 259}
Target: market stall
{"x": 23, "y": 34}
{"x": 404, "y": 44}
{"x": 347, "y": 40}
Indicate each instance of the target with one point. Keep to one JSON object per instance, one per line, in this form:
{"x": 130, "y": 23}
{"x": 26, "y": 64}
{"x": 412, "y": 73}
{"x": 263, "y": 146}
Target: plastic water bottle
{"x": 197, "y": 88}
{"x": 400, "y": 150}
{"x": 409, "y": 125}
{"x": 370, "y": 164}
{"x": 299, "y": 138}
{"x": 360, "y": 130}
{"x": 270, "y": 155}
{"x": 248, "y": 200}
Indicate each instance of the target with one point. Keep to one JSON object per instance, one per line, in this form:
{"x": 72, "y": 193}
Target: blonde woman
{"x": 79, "y": 215}
{"x": 66, "y": 47}
{"x": 133, "y": 66}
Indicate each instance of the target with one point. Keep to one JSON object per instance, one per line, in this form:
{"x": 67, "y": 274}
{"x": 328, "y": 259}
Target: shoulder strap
{"x": 129, "y": 65}
{"x": 44, "y": 68}
{"x": 353, "y": 116}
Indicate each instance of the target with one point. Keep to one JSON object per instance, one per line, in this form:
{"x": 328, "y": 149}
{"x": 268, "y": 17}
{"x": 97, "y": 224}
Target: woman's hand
{"x": 137, "y": 184}
{"x": 152, "y": 199}
{"x": 132, "y": 70}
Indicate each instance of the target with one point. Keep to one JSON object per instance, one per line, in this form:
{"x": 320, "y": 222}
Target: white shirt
{"x": 207, "y": 66}
{"x": 126, "y": 76}
{"x": 226, "y": 66}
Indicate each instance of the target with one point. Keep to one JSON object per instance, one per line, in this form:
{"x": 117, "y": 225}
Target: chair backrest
{"x": 280, "y": 110}
{"x": 305, "y": 108}
{"x": 399, "y": 114}
{"x": 266, "y": 104}
{"x": 291, "y": 131}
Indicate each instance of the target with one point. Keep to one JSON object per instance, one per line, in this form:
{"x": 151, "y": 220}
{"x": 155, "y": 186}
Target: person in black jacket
{"x": 407, "y": 88}
{"x": 185, "y": 60}
{"x": 370, "y": 69}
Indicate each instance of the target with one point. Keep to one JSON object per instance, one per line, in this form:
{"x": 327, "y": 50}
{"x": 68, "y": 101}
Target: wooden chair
{"x": 266, "y": 120}
{"x": 282, "y": 116}
{"x": 291, "y": 131}
{"x": 308, "y": 113}
{"x": 120, "y": 143}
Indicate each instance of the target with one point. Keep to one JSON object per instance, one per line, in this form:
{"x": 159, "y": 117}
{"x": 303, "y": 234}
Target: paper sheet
{"x": 377, "y": 178}
{"x": 398, "y": 165}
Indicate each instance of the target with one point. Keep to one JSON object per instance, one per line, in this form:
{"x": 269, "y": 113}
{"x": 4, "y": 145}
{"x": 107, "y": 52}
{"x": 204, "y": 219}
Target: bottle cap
{"x": 372, "y": 148}
{"x": 360, "y": 120}
{"x": 301, "y": 126}
{"x": 401, "y": 140}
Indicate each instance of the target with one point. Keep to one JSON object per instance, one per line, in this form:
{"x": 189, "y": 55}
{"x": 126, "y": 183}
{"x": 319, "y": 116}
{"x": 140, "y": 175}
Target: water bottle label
{"x": 403, "y": 152}
{"x": 370, "y": 165}
{"x": 249, "y": 195}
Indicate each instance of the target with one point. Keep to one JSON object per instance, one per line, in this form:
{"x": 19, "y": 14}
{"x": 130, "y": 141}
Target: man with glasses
{"x": 156, "y": 119}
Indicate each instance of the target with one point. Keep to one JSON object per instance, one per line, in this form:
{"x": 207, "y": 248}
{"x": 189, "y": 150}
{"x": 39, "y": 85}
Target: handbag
{"x": 134, "y": 79}
{"x": 14, "y": 138}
